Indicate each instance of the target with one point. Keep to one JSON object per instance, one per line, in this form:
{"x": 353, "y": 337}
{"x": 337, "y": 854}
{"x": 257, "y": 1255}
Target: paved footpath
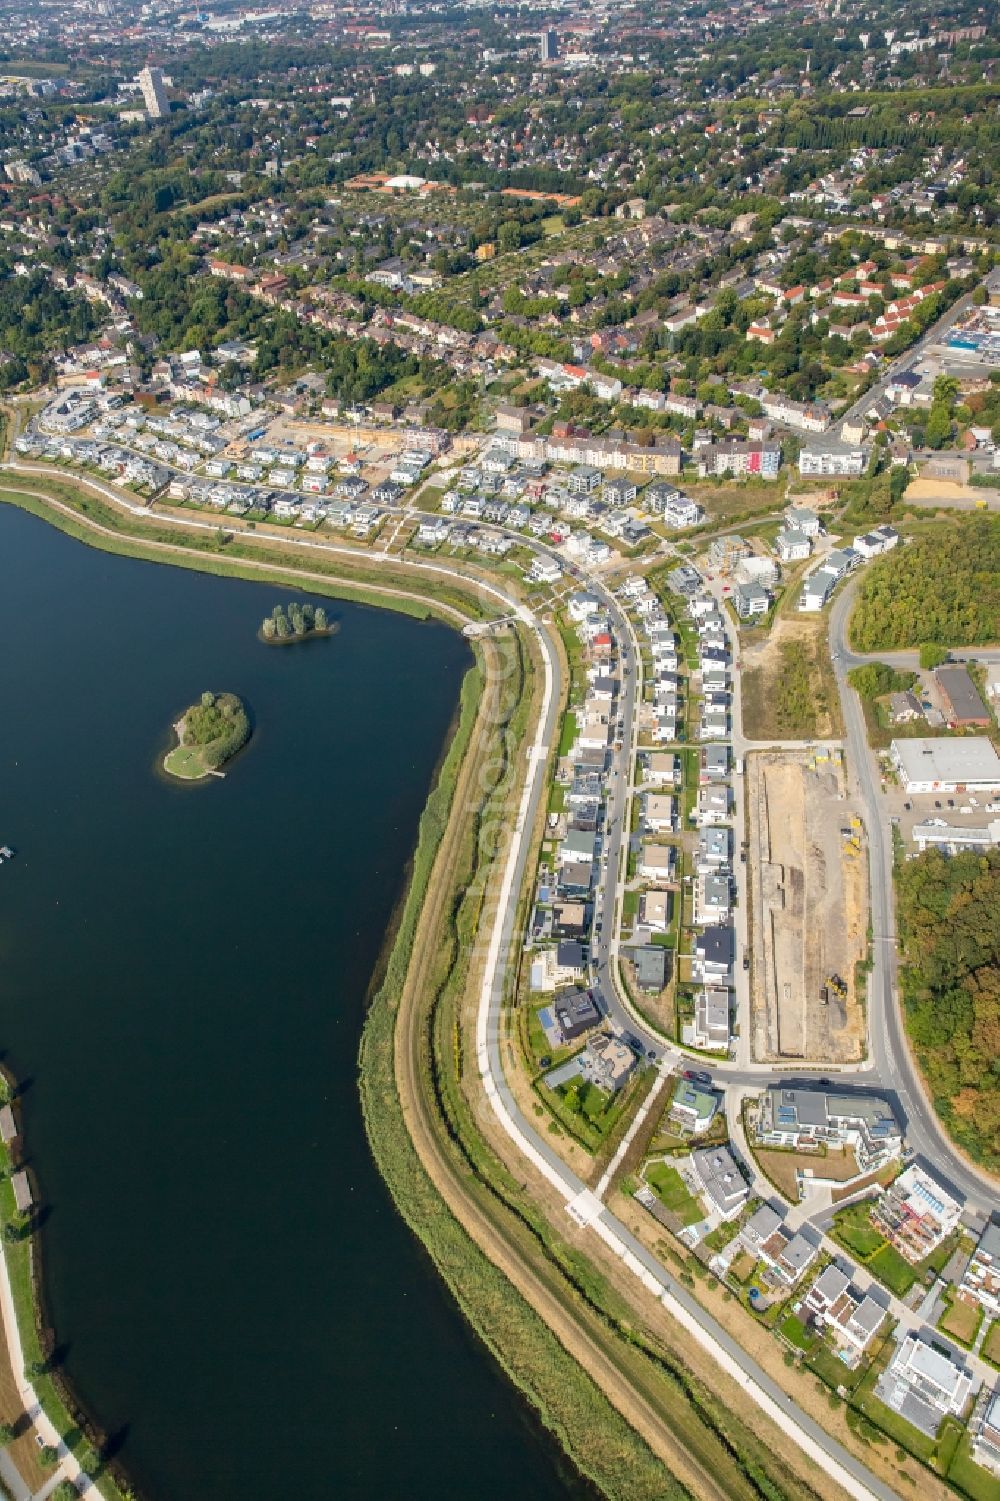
{"x": 68, "y": 1467}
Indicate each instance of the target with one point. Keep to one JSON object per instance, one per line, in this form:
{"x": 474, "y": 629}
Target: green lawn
{"x": 669, "y": 1187}
{"x": 969, "y": 1477}
{"x": 568, "y": 736}
{"x": 185, "y": 761}
{"x": 894, "y": 1270}
{"x": 990, "y": 1347}
{"x": 831, "y": 1369}
{"x": 587, "y": 1112}
{"x": 796, "y": 1333}
{"x": 961, "y": 1321}
{"x": 898, "y": 1429}
{"x": 853, "y": 1228}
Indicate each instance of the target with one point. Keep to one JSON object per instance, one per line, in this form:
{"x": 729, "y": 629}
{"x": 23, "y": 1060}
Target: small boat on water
{"x": 6, "y": 853}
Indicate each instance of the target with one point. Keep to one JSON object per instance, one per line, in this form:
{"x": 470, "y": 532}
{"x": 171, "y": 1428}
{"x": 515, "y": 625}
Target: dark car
{"x": 697, "y": 1076}
{"x": 746, "y": 961}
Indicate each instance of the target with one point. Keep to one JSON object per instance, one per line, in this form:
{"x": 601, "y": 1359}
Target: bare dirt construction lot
{"x": 789, "y": 691}
{"x": 951, "y": 495}
{"x": 810, "y": 907}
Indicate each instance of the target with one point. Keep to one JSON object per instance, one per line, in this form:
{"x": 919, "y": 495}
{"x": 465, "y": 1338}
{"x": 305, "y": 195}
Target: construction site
{"x": 809, "y": 907}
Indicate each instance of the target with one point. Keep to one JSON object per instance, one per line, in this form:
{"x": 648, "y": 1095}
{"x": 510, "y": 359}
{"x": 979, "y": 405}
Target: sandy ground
{"x": 943, "y": 492}
{"x": 810, "y": 909}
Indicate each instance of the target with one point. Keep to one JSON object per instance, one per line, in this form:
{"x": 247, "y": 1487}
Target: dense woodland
{"x": 34, "y": 318}
{"x": 949, "y": 915}
{"x": 944, "y": 586}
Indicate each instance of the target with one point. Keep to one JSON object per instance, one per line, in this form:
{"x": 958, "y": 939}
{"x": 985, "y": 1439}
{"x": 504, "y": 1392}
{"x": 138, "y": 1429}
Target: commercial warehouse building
{"x": 969, "y": 764}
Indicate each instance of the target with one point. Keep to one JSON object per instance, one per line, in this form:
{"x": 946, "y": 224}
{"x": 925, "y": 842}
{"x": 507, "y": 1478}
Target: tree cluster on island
{"x": 209, "y": 733}
{"x": 295, "y": 621}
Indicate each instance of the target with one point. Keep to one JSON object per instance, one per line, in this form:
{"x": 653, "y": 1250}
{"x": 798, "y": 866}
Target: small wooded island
{"x": 295, "y": 622}
{"x": 208, "y": 733}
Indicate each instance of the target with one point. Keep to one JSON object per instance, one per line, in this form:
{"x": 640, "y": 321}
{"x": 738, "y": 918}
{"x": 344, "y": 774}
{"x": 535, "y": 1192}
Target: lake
{"x": 184, "y": 971}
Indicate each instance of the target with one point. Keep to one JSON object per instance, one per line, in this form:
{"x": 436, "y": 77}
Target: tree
{"x": 938, "y": 426}
{"x": 8, "y": 1433}
{"x": 932, "y": 655}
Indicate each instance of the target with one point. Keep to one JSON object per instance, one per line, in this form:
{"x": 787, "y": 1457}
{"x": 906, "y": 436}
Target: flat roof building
{"x": 650, "y": 960}
{"x": 807, "y": 1117}
{"x": 924, "y": 1384}
{"x": 723, "y": 1185}
{"x": 576, "y": 1013}
{"x": 966, "y": 764}
{"x": 916, "y": 1214}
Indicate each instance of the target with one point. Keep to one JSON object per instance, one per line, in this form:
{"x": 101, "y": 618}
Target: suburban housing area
{"x": 662, "y": 361}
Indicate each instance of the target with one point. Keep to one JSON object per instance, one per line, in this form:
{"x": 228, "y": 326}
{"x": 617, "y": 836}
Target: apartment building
{"x": 807, "y": 1118}
{"x": 916, "y": 1214}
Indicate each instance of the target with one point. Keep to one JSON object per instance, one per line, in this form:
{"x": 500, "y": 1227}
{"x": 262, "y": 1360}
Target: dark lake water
{"x": 182, "y": 983}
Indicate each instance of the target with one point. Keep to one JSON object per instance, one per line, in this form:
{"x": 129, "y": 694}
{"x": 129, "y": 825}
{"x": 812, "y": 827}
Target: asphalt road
{"x": 501, "y": 953}
{"x": 891, "y": 1058}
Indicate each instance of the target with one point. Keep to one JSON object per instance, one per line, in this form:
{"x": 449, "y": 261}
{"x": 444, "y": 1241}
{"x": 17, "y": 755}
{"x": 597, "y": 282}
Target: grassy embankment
{"x": 715, "y": 1444}
{"x": 40, "y": 1354}
{"x": 248, "y": 555}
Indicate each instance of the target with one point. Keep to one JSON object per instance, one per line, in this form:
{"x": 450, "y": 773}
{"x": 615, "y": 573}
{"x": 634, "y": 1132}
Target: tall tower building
{"x": 154, "y": 93}
{"x": 549, "y": 46}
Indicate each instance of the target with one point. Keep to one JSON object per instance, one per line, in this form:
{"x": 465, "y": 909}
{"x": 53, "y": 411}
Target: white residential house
{"x": 853, "y": 1318}
{"x": 750, "y": 601}
{"x": 712, "y": 898}
{"x": 714, "y": 953}
{"x": 681, "y": 511}
{"x": 792, "y": 546}
{"x": 981, "y": 1279}
{"x": 709, "y": 1030}
{"x": 925, "y": 1384}
{"x": 659, "y": 812}
{"x": 916, "y": 1213}
{"x": 802, "y": 519}
{"x": 655, "y": 910}
{"x": 723, "y": 1186}
{"x": 714, "y": 805}
{"x": 657, "y": 862}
